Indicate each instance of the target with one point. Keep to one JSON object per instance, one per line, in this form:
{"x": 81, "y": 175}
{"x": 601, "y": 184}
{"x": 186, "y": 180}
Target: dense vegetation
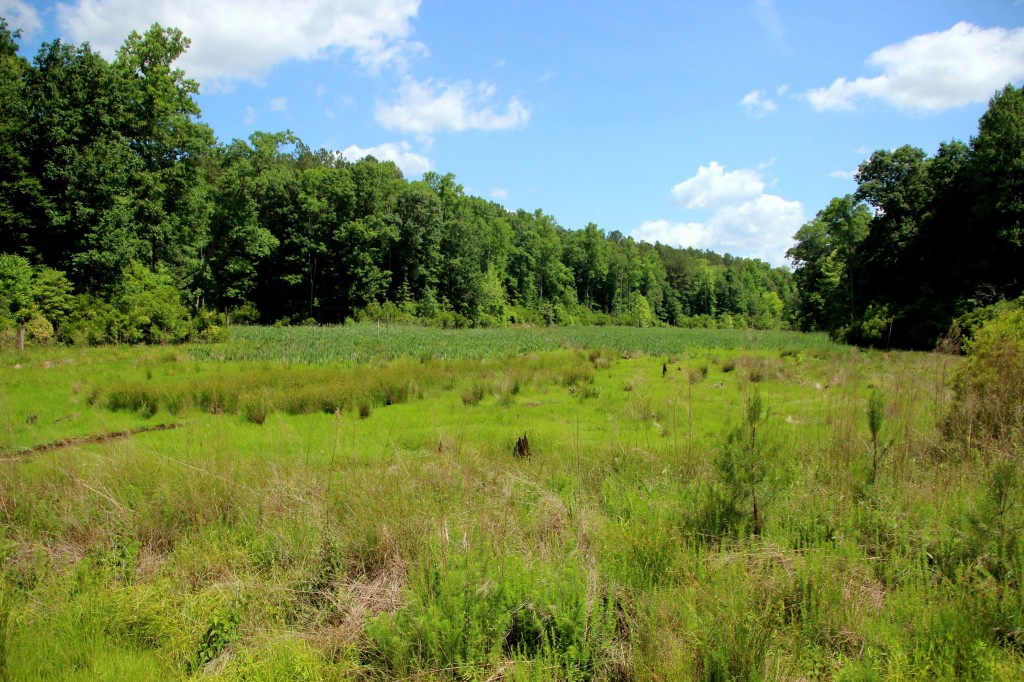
{"x": 923, "y": 240}
{"x": 123, "y": 219}
{"x": 358, "y": 508}
{"x": 111, "y": 186}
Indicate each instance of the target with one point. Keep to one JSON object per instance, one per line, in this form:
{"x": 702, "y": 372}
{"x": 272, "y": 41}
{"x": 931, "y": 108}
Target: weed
{"x": 474, "y": 394}
{"x": 220, "y": 633}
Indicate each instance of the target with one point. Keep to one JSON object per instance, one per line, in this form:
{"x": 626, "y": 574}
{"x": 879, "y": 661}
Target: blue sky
{"x": 721, "y": 125}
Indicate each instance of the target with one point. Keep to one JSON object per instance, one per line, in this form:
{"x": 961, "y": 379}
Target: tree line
{"x": 926, "y": 244}
{"x": 114, "y": 195}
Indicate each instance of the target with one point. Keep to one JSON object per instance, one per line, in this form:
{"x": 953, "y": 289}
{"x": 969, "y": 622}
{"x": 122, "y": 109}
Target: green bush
{"x": 465, "y": 613}
{"x": 989, "y": 386}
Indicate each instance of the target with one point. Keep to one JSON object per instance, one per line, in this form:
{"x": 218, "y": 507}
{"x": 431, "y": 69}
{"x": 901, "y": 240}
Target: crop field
{"x": 375, "y": 503}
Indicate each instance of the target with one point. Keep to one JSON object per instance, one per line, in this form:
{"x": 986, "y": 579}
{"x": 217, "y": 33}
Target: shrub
{"x": 988, "y": 387}
{"x": 467, "y": 612}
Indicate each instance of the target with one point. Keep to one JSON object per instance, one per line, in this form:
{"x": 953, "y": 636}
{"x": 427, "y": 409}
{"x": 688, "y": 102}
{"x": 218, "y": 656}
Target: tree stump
{"x": 522, "y": 448}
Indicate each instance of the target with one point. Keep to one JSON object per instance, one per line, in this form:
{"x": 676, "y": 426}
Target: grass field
{"x": 353, "y": 503}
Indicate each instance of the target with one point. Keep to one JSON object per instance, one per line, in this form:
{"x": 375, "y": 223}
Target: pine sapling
{"x": 876, "y": 418}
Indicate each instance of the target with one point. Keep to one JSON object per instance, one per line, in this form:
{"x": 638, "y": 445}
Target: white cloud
{"x": 428, "y": 106}
{"x": 934, "y": 71}
{"x": 744, "y": 220}
{"x": 712, "y": 187}
{"x": 244, "y": 39}
{"x": 762, "y": 227}
{"x": 757, "y": 105}
{"x": 499, "y": 193}
{"x": 250, "y": 116}
{"x": 279, "y": 104}
{"x": 413, "y": 165}
{"x": 328, "y": 112}
{"x": 321, "y": 90}
{"x": 842, "y": 174}
{"x": 768, "y": 17}
{"x": 21, "y": 15}
{"x": 696, "y": 235}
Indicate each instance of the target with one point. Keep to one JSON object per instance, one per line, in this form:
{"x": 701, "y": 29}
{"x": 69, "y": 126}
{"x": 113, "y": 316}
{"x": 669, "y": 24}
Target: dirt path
{"x": 87, "y": 440}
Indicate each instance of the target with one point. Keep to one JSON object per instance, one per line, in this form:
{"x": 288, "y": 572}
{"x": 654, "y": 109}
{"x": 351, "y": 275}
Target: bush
{"x": 466, "y": 613}
{"x": 988, "y": 387}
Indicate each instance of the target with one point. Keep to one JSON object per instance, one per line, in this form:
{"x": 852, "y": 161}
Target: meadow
{"x": 378, "y": 503}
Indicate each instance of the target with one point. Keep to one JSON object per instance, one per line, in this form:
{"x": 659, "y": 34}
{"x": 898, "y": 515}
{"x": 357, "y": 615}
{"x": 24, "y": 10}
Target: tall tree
{"x": 997, "y": 183}
{"x": 162, "y": 129}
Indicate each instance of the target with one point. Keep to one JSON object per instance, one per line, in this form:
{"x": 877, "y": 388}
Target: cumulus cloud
{"x": 242, "y": 40}
{"x": 933, "y": 72}
{"x": 279, "y": 104}
{"x": 696, "y": 235}
{"x": 842, "y": 174}
{"x": 744, "y": 220}
{"x": 712, "y": 187}
{"x": 762, "y": 227}
{"x": 21, "y": 15}
{"x": 413, "y": 165}
{"x": 499, "y": 193}
{"x": 757, "y": 104}
{"x": 434, "y": 105}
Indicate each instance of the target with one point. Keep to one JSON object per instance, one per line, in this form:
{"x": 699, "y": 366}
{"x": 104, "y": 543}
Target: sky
{"x": 719, "y": 125}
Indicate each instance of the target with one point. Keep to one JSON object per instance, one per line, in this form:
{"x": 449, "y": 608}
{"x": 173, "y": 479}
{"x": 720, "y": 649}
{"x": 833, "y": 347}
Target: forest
{"x": 124, "y": 219}
{"x": 120, "y": 204}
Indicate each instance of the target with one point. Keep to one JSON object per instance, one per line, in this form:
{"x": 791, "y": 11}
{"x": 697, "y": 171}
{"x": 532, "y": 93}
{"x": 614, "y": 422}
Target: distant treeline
{"x": 122, "y": 218}
{"x": 111, "y": 189}
{"x": 923, "y": 242}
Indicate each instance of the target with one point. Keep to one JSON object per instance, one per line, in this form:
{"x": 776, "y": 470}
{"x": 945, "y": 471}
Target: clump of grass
{"x": 729, "y": 365}
{"x": 585, "y": 391}
{"x": 540, "y": 617}
{"x": 601, "y": 358}
{"x": 255, "y": 408}
{"x": 506, "y": 391}
{"x": 578, "y": 374}
{"x": 474, "y": 394}
{"x": 364, "y": 409}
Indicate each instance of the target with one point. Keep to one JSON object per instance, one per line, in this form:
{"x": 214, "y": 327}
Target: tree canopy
{"x": 923, "y": 240}
{"x": 114, "y": 191}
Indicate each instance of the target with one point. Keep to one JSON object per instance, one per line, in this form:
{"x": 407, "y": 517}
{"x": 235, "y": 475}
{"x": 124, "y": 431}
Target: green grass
{"x": 363, "y": 342}
{"x": 280, "y": 533}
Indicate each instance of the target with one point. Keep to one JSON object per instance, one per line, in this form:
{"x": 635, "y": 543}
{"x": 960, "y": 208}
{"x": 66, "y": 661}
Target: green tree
{"x": 161, "y": 126}
{"x": 826, "y": 260}
{"x": 16, "y": 292}
{"x": 53, "y": 296}
{"x": 22, "y": 204}
{"x": 150, "y": 306}
{"x": 996, "y": 180}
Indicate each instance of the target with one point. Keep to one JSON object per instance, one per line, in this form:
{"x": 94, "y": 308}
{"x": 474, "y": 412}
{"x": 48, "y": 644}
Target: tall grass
{"x": 363, "y": 342}
{"x": 278, "y": 535}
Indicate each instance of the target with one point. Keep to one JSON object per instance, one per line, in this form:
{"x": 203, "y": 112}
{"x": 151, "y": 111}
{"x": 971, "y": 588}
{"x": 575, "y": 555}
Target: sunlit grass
{"x": 409, "y": 542}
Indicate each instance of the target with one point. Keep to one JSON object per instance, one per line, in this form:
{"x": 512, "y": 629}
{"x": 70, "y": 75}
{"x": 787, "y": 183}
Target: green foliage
{"x": 732, "y": 507}
{"x": 465, "y": 613}
{"x": 15, "y": 288}
{"x": 876, "y": 417}
{"x": 151, "y": 306}
{"x": 898, "y": 275}
{"x": 220, "y": 633}
{"x": 989, "y": 386}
